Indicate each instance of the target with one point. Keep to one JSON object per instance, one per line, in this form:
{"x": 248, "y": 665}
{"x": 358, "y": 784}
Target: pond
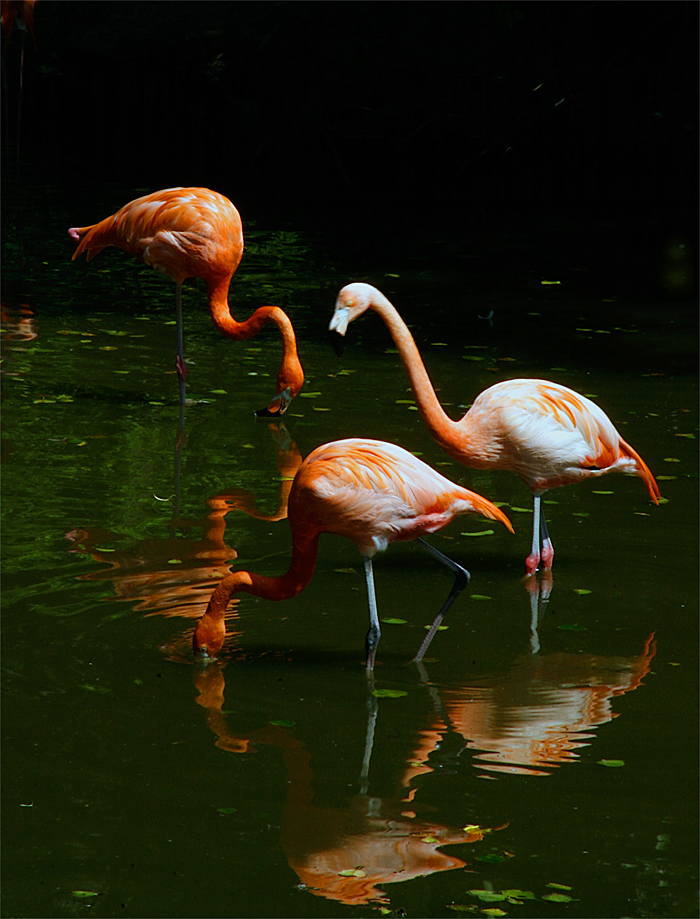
{"x": 543, "y": 759}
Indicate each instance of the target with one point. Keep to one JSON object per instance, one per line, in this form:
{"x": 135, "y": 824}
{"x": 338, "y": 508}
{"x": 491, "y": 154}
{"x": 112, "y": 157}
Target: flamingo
{"x": 195, "y": 232}
{"x": 372, "y": 492}
{"x": 546, "y": 433}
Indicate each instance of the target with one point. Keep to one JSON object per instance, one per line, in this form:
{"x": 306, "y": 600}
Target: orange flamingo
{"x": 372, "y": 492}
{"x": 546, "y": 433}
{"x": 195, "y": 232}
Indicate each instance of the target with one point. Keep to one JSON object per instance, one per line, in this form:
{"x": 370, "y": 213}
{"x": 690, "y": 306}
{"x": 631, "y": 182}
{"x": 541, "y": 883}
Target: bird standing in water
{"x": 372, "y": 492}
{"x": 195, "y": 232}
{"x": 546, "y": 433}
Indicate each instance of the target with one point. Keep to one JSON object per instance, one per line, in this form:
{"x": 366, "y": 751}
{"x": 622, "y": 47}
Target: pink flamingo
{"x": 548, "y": 434}
{"x": 372, "y": 492}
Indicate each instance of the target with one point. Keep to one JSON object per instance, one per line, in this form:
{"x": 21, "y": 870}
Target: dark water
{"x": 547, "y": 752}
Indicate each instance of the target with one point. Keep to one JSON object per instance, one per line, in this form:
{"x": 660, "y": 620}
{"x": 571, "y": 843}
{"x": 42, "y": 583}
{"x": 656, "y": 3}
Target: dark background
{"x": 383, "y": 124}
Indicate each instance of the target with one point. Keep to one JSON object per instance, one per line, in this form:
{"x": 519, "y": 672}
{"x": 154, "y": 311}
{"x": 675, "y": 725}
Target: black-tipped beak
{"x": 277, "y": 407}
{"x": 338, "y": 342}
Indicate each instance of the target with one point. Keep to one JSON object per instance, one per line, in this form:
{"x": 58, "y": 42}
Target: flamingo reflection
{"x": 18, "y": 323}
{"x": 538, "y": 714}
{"x": 341, "y": 853}
{"x": 173, "y": 576}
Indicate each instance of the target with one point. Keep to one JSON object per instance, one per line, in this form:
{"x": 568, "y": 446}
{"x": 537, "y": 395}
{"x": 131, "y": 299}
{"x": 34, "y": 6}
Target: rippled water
{"x": 548, "y": 746}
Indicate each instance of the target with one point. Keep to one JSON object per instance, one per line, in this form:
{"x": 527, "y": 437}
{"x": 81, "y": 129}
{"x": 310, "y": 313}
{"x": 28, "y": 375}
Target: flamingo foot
{"x": 531, "y": 563}
{"x": 547, "y": 554}
{"x": 181, "y": 368}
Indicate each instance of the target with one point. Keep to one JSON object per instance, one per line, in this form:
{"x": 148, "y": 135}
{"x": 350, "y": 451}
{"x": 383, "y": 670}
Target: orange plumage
{"x": 371, "y": 492}
{"x": 194, "y": 232}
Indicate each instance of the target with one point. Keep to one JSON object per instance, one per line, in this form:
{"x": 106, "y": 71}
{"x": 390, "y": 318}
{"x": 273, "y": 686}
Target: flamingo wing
{"x": 376, "y": 493}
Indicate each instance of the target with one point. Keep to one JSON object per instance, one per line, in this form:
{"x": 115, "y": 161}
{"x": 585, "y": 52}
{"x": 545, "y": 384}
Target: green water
{"x": 136, "y": 783}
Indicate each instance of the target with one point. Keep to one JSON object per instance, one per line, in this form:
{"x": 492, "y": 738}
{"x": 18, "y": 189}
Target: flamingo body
{"x": 194, "y": 232}
{"x": 546, "y": 433}
{"x": 369, "y": 491}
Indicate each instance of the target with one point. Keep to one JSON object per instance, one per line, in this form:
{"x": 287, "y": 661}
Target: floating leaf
{"x": 84, "y": 893}
{"x": 440, "y": 628}
{"x": 461, "y": 907}
{"x": 612, "y": 763}
{"x": 283, "y": 724}
{"x": 388, "y": 274}
{"x": 174, "y": 561}
{"x": 218, "y": 392}
{"x": 394, "y": 621}
{"x": 103, "y": 549}
{"x": 480, "y": 597}
{"x": 405, "y": 402}
{"x": 389, "y": 693}
{"x": 520, "y": 894}
{"x": 318, "y": 408}
{"x": 488, "y": 896}
{"x": 666, "y": 478}
{"x": 495, "y": 911}
{"x": 549, "y": 283}
{"x": 309, "y": 395}
{"x": 558, "y": 898}
{"x": 522, "y": 510}
{"x": 480, "y": 533}
{"x": 226, "y": 810}
{"x": 603, "y": 492}
{"x": 581, "y": 591}
{"x": 438, "y": 344}
{"x": 559, "y": 886}
{"x": 473, "y": 357}
{"x": 580, "y": 514}
{"x": 671, "y": 459}
{"x": 692, "y": 436}
{"x": 345, "y": 570}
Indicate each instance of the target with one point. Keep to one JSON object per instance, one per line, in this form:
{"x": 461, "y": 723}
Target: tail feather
{"x": 643, "y": 470}
{"x": 487, "y": 509}
{"x": 93, "y": 239}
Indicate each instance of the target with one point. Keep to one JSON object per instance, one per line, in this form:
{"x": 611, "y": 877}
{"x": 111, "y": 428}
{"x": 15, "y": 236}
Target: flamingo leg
{"x": 374, "y": 632}
{"x": 533, "y": 559}
{"x": 461, "y": 580}
{"x": 180, "y": 359}
{"x": 547, "y": 547}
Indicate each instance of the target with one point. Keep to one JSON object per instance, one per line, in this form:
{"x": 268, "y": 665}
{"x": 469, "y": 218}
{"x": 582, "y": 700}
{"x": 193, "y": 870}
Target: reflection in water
{"x": 174, "y": 576}
{"x": 535, "y": 716}
{"x": 342, "y": 852}
{"x": 18, "y": 323}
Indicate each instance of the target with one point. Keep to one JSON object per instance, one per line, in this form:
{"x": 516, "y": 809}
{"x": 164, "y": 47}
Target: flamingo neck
{"x": 290, "y": 372}
{"x": 211, "y": 628}
{"x": 438, "y": 422}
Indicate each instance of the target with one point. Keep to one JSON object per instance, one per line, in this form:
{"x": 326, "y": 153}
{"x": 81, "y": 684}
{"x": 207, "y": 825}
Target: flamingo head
{"x": 208, "y": 638}
{"x": 353, "y": 300}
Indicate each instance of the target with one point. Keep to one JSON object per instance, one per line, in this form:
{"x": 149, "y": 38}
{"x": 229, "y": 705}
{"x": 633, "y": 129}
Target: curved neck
{"x": 211, "y": 628}
{"x": 290, "y": 372}
{"x": 429, "y": 407}
{"x": 217, "y": 300}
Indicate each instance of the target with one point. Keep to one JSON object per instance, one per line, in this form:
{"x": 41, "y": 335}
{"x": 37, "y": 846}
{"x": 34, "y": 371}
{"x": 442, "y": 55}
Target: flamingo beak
{"x": 278, "y": 406}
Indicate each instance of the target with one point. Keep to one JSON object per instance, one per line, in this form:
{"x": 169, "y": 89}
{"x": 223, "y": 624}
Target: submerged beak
{"x": 278, "y": 406}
